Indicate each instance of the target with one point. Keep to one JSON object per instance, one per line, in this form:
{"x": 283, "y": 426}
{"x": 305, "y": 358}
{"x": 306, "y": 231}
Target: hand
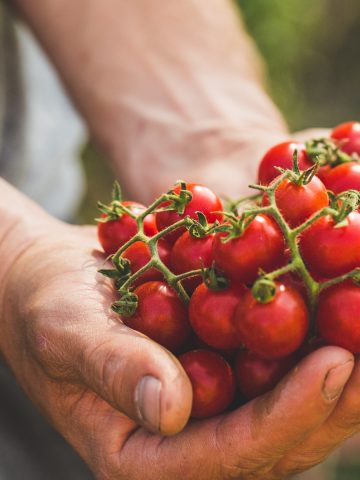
{"x": 100, "y": 383}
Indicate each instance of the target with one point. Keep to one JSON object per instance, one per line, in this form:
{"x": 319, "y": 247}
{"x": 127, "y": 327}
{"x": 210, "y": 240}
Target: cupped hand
{"x": 123, "y": 401}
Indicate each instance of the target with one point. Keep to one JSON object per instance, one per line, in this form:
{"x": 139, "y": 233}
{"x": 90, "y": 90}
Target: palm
{"x": 81, "y": 366}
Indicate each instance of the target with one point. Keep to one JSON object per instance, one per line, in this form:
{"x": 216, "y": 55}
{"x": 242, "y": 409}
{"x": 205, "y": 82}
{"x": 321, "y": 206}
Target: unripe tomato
{"x": 115, "y": 233}
{"x": 329, "y": 250}
{"x": 211, "y": 315}
{"x": 160, "y": 315}
{"x": 139, "y": 255}
{"x": 261, "y": 246}
{"x": 348, "y": 135}
{"x": 212, "y": 380}
{"x": 343, "y": 177}
{"x": 281, "y": 155}
{"x": 203, "y": 200}
{"x": 338, "y": 316}
{"x": 191, "y": 253}
{"x": 256, "y": 376}
{"x": 275, "y": 329}
{"x": 297, "y": 203}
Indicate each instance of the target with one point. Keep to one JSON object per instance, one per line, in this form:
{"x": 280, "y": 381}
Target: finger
{"x": 138, "y": 377}
{"x": 247, "y": 442}
{"x": 132, "y": 373}
{"x": 341, "y": 424}
{"x": 270, "y": 426}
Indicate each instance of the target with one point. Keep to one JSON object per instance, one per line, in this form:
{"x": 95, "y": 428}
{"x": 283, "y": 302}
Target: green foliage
{"x": 311, "y": 51}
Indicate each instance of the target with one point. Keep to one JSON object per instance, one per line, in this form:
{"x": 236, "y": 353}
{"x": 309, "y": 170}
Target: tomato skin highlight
{"x": 338, "y": 316}
{"x": 115, "y": 233}
{"x": 212, "y": 380}
{"x": 203, "y": 200}
{"x": 281, "y": 155}
{"x": 211, "y": 315}
{"x": 256, "y": 376}
{"x": 139, "y": 255}
{"x": 160, "y": 315}
{"x": 329, "y": 251}
{"x": 189, "y": 253}
{"x": 261, "y": 246}
{"x": 343, "y": 177}
{"x": 275, "y": 329}
{"x": 297, "y": 203}
{"x": 348, "y": 135}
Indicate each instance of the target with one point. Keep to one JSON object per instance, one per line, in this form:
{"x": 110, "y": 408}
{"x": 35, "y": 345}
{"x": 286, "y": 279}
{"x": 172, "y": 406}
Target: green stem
{"x": 136, "y": 275}
{"x": 339, "y": 279}
{"x": 290, "y": 267}
{"x": 321, "y": 213}
{"x": 167, "y": 230}
{"x": 192, "y": 273}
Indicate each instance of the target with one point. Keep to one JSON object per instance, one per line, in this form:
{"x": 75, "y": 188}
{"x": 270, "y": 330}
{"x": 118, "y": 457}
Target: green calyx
{"x": 326, "y": 151}
{"x": 264, "y": 290}
{"x": 213, "y": 279}
{"x": 115, "y": 209}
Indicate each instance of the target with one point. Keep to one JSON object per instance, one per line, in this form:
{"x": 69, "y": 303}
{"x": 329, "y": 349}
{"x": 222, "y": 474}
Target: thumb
{"x": 128, "y": 370}
{"x": 138, "y": 377}
{"x": 272, "y": 425}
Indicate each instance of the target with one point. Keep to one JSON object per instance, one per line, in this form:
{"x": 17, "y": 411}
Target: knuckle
{"x": 106, "y": 366}
{"x": 46, "y": 337}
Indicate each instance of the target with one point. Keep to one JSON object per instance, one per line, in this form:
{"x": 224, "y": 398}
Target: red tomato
{"x": 338, "y": 316}
{"x": 160, "y": 315}
{"x": 115, "y": 233}
{"x": 191, "y": 253}
{"x": 212, "y": 380}
{"x": 203, "y": 200}
{"x": 275, "y": 329}
{"x": 211, "y": 313}
{"x": 139, "y": 255}
{"x": 281, "y": 155}
{"x": 348, "y": 135}
{"x": 256, "y": 376}
{"x": 298, "y": 203}
{"x": 343, "y": 177}
{"x": 329, "y": 250}
{"x": 261, "y": 246}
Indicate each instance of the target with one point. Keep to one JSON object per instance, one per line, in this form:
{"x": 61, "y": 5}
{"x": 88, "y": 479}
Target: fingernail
{"x": 335, "y": 380}
{"x": 148, "y": 402}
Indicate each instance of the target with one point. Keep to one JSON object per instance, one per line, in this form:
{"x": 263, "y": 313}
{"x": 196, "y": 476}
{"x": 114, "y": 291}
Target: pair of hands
{"x": 119, "y": 398}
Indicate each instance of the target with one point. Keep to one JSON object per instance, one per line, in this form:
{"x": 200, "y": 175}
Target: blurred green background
{"x": 311, "y": 51}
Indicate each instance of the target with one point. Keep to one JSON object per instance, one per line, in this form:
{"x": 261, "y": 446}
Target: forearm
{"x": 172, "y": 85}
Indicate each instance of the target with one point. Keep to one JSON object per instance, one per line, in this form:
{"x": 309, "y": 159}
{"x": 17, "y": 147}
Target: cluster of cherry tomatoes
{"x": 264, "y": 282}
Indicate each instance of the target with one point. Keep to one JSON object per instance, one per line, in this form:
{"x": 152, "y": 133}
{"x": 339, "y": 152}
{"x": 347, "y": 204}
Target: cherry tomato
{"x": 329, "y": 250}
{"x": 212, "y": 380}
{"x": 115, "y": 233}
{"x": 299, "y": 202}
{"x": 139, "y": 255}
{"x": 343, "y": 177}
{"x": 338, "y": 316}
{"x": 256, "y": 376}
{"x": 281, "y": 155}
{"x": 191, "y": 253}
{"x": 211, "y": 314}
{"x": 348, "y": 135}
{"x": 160, "y": 315}
{"x": 203, "y": 200}
{"x": 261, "y": 246}
{"x": 274, "y": 329}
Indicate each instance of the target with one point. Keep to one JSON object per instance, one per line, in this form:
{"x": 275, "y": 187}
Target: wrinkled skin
{"x": 76, "y": 362}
